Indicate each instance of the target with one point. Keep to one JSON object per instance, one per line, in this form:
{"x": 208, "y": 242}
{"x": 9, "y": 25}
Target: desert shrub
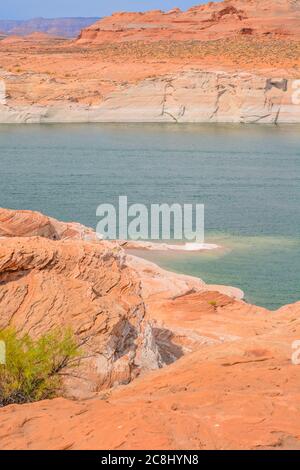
{"x": 33, "y": 367}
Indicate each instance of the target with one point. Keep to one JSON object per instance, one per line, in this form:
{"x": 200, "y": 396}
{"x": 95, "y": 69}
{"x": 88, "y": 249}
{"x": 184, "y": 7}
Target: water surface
{"x": 248, "y": 177}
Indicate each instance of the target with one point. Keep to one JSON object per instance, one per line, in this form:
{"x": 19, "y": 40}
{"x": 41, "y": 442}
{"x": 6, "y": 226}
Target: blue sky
{"x": 24, "y": 9}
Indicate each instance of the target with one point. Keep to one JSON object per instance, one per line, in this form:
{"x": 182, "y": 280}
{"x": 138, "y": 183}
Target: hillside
{"x": 217, "y": 371}
{"x": 214, "y": 20}
{"x": 231, "y": 61}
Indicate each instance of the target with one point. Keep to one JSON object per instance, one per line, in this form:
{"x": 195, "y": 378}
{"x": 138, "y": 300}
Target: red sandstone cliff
{"x": 227, "y": 380}
{"x": 277, "y": 18}
{"x": 231, "y": 61}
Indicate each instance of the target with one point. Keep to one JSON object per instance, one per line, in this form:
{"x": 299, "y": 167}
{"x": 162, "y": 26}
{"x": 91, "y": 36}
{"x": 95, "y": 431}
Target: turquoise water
{"x": 248, "y": 177}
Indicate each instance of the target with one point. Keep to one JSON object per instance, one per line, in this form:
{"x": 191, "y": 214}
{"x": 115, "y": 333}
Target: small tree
{"x": 33, "y": 368}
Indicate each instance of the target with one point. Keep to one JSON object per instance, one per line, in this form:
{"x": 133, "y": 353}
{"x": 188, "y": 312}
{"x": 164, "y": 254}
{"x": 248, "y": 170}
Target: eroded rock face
{"x": 231, "y": 61}
{"x": 55, "y": 274}
{"x": 47, "y": 284}
{"x": 191, "y": 96}
{"x": 23, "y": 223}
{"x": 238, "y": 395}
{"x": 230, "y": 381}
{"x": 213, "y": 20}
{"x": 200, "y": 96}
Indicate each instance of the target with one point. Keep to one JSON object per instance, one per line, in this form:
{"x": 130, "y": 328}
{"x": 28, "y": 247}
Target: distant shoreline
{"x": 196, "y": 98}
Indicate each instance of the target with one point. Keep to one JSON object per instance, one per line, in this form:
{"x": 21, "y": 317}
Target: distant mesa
{"x": 210, "y": 63}
{"x": 63, "y": 27}
{"x": 211, "y": 21}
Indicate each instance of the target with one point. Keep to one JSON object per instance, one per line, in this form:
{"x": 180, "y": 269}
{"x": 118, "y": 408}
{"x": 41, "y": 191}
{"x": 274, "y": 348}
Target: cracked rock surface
{"x": 209, "y": 370}
{"x": 232, "y": 61}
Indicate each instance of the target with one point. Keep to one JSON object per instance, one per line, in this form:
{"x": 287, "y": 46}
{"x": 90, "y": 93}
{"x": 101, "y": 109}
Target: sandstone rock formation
{"x": 242, "y": 394}
{"x": 227, "y": 378}
{"x": 194, "y": 96}
{"x": 22, "y": 223}
{"x": 30, "y": 224}
{"x": 47, "y": 284}
{"x": 59, "y": 274}
{"x": 231, "y": 61}
{"x": 278, "y": 18}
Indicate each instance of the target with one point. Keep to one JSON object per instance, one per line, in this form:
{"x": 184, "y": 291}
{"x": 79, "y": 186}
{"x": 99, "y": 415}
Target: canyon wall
{"x": 53, "y": 284}
{"x": 232, "y": 61}
{"x": 55, "y": 274}
{"x": 191, "y": 96}
{"x": 207, "y": 370}
{"x": 270, "y": 18}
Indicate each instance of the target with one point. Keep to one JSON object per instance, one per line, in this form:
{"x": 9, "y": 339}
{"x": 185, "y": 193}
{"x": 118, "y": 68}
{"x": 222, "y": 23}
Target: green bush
{"x": 34, "y": 368}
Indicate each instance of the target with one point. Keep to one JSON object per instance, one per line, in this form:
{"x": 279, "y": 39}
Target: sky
{"x": 25, "y": 9}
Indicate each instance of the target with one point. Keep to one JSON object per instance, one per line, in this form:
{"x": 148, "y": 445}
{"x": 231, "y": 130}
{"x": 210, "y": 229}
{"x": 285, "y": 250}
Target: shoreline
{"x": 154, "y": 338}
{"x": 119, "y": 332}
{"x": 182, "y": 247}
{"x": 191, "y": 96}
{"x": 26, "y": 223}
{"x": 191, "y": 284}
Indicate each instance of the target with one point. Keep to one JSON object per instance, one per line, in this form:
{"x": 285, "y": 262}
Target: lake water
{"x": 248, "y": 177}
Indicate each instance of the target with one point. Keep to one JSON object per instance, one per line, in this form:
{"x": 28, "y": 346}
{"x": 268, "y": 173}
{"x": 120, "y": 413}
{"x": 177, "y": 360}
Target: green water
{"x": 248, "y": 177}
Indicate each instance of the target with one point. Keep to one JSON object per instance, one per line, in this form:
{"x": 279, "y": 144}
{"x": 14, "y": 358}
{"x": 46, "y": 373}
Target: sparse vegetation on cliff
{"x": 33, "y": 368}
{"x": 239, "y": 50}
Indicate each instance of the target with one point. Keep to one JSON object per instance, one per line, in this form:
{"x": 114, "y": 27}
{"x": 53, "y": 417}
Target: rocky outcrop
{"x": 30, "y": 224}
{"x": 199, "y": 96}
{"x": 56, "y": 274}
{"x": 191, "y": 96}
{"x": 153, "y": 280}
{"x": 231, "y": 61}
{"x": 229, "y": 373}
{"x": 242, "y": 394}
{"x": 278, "y": 18}
{"x": 47, "y": 284}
